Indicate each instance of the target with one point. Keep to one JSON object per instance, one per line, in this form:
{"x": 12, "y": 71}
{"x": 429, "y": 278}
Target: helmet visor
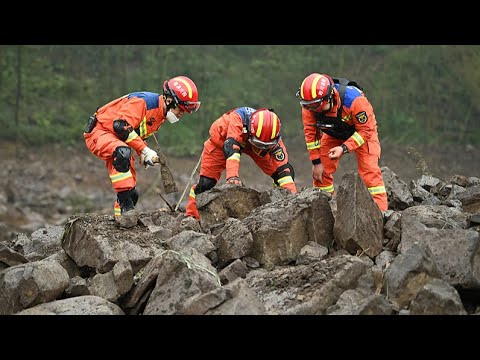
{"x": 189, "y": 106}
{"x": 261, "y": 144}
{"x": 314, "y": 105}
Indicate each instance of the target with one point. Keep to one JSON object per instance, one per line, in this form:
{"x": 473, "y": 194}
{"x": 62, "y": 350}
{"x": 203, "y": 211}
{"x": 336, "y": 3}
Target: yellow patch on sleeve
{"x": 362, "y": 117}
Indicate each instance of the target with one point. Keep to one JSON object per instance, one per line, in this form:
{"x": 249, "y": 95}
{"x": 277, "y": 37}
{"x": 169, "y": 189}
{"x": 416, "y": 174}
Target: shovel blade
{"x": 169, "y": 184}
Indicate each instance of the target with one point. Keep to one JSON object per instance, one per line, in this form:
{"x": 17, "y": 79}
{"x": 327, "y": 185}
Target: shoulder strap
{"x": 343, "y": 85}
{"x": 341, "y": 89}
{"x": 245, "y": 113}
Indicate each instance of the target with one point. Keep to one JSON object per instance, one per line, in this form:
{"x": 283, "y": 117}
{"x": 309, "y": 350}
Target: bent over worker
{"x": 118, "y": 130}
{"x": 336, "y": 125}
{"x": 242, "y": 130}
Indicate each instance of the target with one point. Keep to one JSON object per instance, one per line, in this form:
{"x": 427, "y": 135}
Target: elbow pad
{"x": 230, "y": 146}
{"x": 122, "y": 129}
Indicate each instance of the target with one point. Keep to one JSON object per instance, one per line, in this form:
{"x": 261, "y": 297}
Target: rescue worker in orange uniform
{"x": 255, "y": 133}
{"x": 118, "y": 130}
{"x": 333, "y": 128}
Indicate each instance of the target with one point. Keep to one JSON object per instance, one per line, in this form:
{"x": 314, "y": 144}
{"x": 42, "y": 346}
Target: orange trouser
{"x": 367, "y": 161}
{"x": 102, "y": 144}
{"x": 213, "y": 164}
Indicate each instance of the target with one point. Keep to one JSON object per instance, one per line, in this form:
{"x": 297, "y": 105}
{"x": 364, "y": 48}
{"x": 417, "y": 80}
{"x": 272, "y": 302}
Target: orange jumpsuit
{"x": 357, "y": 129}
{"x": 233, "y": 125}
{"x": 145, "y": 112}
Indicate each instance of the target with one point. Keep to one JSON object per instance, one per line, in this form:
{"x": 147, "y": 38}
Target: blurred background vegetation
{"x": 422, "y": 94}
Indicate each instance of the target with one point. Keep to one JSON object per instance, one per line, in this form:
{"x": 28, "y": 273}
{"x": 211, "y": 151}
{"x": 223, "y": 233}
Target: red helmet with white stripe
{"x": 316, "y": 91}
{"x": 184, "y": 93}
{"x": 264, "y": 129}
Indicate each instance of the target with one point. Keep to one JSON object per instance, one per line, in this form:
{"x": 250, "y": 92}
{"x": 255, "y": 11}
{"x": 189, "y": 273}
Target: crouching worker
{"x": 118, "y": 130}
{"x": 242, "y": 130}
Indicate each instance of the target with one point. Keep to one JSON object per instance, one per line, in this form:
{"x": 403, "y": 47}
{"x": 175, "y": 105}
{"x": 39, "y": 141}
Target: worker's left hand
{"x": 335, "y": 153}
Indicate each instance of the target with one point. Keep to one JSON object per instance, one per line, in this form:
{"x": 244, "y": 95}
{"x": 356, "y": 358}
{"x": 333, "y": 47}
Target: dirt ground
{"x": 73, "y": 170}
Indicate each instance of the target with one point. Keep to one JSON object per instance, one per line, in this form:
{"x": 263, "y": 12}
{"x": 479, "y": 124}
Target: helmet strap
{"x": 169, "y": 106}
{"x": 246, "y": 126}
{"x": 331, "y": 102}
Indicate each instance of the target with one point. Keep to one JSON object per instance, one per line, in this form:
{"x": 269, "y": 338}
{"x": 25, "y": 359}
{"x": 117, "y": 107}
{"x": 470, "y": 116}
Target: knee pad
{"x": 122, "y": 129}
{"x": 292, "y": 171}
{"x": 283, "y": 171}
{"x": 204, "y": 184}
{"x": 121, "y": 158}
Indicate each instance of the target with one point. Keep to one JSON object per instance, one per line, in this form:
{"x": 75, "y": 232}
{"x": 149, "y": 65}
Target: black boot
{"x": 134, "y": 196}
{"x": 126, "y": 199}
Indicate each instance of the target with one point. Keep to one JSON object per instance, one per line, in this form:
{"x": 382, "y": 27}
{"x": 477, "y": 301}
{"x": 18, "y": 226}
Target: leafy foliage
{"x": 420, "y": 93}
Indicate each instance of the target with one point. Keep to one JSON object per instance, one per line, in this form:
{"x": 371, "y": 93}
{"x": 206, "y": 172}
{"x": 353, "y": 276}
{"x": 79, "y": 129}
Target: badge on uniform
{"x": 362, "y": 117}
{"x": 279, "y": 154}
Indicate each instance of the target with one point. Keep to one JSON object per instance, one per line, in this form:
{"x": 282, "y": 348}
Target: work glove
{"x": 147, "y": 157}
{"x": 234, "y": 180}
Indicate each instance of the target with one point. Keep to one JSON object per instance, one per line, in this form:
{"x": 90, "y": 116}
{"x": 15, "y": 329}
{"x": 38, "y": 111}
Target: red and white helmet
{"x": 316, "y": 90}
{"x": 264, "y": 129}
{"x": 184, "y": 93}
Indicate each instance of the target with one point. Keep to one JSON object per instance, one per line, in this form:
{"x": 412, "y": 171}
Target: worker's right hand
{"x": 317, "y": 172}
{"x": 234, "y": 180}
{"x": 146, "y": 157}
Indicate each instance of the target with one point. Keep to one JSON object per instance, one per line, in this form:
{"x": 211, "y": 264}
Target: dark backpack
{"x": 343, "y": 84}
{"x": 335, "y": 126}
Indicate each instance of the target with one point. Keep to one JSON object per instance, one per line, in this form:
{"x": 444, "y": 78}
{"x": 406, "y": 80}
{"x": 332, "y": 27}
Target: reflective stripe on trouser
{"x": 116, "y": 208}
{"x": 121, "y": 181}
{"x": 102, "y": 144}
{"x": 368, "y": 170}
{"x": 213, "y": 164}
{"x": 371, "y": 175}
